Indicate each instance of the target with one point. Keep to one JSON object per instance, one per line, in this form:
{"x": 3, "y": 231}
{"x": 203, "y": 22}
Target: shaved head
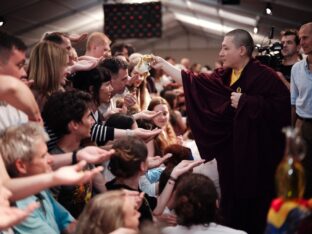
{"x": 242, "y": 38}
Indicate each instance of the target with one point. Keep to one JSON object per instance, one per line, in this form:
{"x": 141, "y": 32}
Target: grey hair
{"x": 19, "y": 142}
{"x": 242, "y": 38}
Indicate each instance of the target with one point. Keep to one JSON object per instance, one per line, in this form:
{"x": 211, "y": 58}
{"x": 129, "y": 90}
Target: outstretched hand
{"x": 78, "y": 37}
{"x": 157, "y": 62}
{"x": 11, "y": 216}
{"x": 93, "y": 154}
{"x": 146, "y": 135}
{"x": 156, "y": 161}
{"x": 185, "y": 166}
{"x": 112, "y": 111}
{"x": 74, "y": 174}
{"x": 83, "y": 65}
{"x": 130, "y": 100}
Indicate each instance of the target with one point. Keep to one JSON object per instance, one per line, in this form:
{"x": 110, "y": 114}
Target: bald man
{"x": 98, "y": 45}
{"x": 301, "y": 100}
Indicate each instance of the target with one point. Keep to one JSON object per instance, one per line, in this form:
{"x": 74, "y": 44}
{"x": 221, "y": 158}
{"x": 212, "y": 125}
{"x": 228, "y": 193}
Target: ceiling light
{"x": 255, "y": 30}
{"x": 268, "y": 9}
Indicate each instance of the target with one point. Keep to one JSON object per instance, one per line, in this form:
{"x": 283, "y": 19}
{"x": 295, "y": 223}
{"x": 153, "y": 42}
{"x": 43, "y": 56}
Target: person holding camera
{"x": 290, "y": 52}
{"x": 236, "y": 115}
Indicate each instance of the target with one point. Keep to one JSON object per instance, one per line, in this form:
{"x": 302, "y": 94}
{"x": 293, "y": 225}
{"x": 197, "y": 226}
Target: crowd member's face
{"x": 123, "y": 53}
{"x": 229, "y": 54}
{"x": 14, "y": 66}
{"x": 85, "y": 125}
{"x": 138, "y": 78}
{"x": 63, "y": 72}
{"x": 105, "y": 92}
{"x": 131, "y": 214}
{"x": 163, "y": 119}
{"x": 66, "y": 44}
{"x": 41, "y": 161}
{"x": 289, "y": 46}
{"x": 305, "y": 35}
{"x": 120, "y": 80}
{"x": 101, "y": 50}
{"x": 68, "y": 47}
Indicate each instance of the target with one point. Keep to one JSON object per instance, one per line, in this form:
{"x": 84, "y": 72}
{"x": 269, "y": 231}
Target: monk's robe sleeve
{"x": 209, "y": 111}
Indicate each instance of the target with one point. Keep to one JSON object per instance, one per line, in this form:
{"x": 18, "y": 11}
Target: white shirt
{"x": 10, "y": 116}
{"x": 213, "y": 228}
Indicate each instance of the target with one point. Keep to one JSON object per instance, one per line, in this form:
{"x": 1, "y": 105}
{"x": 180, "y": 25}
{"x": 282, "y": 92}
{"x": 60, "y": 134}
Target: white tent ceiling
{"x": 207, "y": 19}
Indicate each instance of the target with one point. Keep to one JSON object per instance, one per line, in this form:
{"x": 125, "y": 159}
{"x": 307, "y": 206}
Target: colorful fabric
{"x": 285, "y": 215}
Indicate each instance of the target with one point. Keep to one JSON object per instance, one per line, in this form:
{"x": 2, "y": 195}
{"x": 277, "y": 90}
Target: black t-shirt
{"x": 148, "y": 205}
{"x": 285, "y": 70}
{"x": 73, "y": 197}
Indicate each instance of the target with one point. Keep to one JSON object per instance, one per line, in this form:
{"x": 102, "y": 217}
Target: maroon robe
{"x": 247, "y": 142}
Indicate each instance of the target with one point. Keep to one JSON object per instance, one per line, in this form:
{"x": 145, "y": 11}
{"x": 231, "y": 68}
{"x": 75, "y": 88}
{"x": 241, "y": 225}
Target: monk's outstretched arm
{"x": 169, "y": 69}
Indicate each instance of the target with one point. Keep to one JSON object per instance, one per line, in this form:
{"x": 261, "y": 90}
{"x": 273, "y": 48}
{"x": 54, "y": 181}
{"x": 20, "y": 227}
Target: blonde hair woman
{"x": 108, "y": 212}
{"x": 138, "y": 86}
{"x": 47, "y": 66}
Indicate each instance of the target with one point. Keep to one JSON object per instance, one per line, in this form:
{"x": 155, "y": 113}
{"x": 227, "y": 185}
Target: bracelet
{"x": 171, "y": 182}
{"x": 172, "y": 178}
{"x": 74, "y": 157}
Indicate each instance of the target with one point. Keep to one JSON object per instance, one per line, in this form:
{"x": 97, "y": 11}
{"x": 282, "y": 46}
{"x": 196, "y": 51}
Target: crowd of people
{"x": 114, "y": 141}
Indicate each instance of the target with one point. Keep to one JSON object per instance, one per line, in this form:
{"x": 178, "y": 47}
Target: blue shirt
{"x": 50, "y": 217}
{"x": 153, "y": 175}
{"x": 301, "y": 89}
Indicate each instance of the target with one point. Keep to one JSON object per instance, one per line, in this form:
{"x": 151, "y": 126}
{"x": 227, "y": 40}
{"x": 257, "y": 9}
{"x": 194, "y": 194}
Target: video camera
{"x": 270, "y": 55}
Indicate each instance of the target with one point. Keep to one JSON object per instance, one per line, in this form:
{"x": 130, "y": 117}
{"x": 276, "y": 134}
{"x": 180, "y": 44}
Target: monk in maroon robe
{"x": 239, "y": 123}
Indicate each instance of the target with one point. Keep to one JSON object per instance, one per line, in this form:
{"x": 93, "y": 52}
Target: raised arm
{"x": 181, "y": 168}
{"x": 169, "y": 69}
{"x": 17, "y": 94}
{"x": 26, "y": 186}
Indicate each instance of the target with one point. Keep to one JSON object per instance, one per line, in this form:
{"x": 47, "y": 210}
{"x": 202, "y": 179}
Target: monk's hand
{"x": 235, "y": 99}
{"x": 157, "y": 62}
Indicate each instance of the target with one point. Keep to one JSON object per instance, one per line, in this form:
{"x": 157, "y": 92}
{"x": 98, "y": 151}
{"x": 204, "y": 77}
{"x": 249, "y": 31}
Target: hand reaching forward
{"x": 146, "y": 135}
{"x": 74, "y": 174}
{"x": 157, "y": 62}
{"x": 112, "y": 111}
{"x": 185, "y": 166}
{"x": 93, "y": 154}
{"x": 11, "y": 216}
{"x": 130, "y": 100}
{"x": 82, "y": 65}
{"x": 156, "y": 161}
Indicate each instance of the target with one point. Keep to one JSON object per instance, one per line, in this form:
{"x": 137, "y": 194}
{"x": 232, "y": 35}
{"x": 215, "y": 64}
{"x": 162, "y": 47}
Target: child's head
{"x": 195, "y": 200}
{"x": 129, "y": 158}
{"x": 107, "y": 212}
{"x": 24, "y": 151}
